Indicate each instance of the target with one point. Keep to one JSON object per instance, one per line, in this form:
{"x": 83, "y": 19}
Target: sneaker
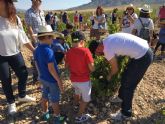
{"x": 116, "y": 100}
{"x": 83, "y": 118}
{"x": 12, "y": 109}
{"x": 57, "y": 120}
{"x": 61, "y": 119}
{"x": 46, "y": 116}
{"x": 27, "y": 99}
{"x": 76, "y": 108}
{"x": 118, "y": 116}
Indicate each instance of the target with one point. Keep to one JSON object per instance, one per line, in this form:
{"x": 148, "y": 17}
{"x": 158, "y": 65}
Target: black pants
{"x": 158, "y": 45}
{"x": 131, "y": 78}
{"x": 17, "y": 64}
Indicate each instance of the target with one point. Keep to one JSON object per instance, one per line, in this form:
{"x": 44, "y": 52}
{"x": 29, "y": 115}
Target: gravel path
{"x": 148, "y": 103}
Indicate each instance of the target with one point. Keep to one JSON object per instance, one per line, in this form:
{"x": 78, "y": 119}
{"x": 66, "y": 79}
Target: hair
{"x": 11, "y": 11}
{"x": 144, "y": 15}
{"x": 69, "y": 26}
{"x": 93, "y": 46}
{"x": 101, "y": 10}
{"x": 132, "y": 9}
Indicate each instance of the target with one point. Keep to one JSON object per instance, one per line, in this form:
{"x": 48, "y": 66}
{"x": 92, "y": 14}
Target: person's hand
{"x": 60, "y": 83}
{"x": 109, "y": 77}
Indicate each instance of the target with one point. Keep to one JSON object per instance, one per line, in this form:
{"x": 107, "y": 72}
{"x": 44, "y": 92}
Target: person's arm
{"x": 30, "y": 47}
{"x": 136, "y": 25}
{"x": 91, "y": 67}
{"x": 132, "y": 18}
{"x": 134, "y": 31}
{"x": 29, "y": 23}
{"x": 31, "y": 33}
{"x": 90, "y": 61}
{"x": 54, "y": 73}
{"x": 114, "y": 67}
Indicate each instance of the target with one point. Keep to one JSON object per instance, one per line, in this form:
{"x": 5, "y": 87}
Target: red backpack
{"x": 162, "y": 13}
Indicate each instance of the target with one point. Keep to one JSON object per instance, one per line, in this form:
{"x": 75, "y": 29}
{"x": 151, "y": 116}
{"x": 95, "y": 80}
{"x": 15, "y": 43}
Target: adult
{"x": 100, "y": 20}
{"x": 92, "y": 19}
{"x": 141, "y": 56}
{"x": 144, "y": 26}
{"x": 128, "y": 19}
{"x": 161, "y": 15}
{"x": 65, "y": 18}
{"x": 34, "y": 17}
{"x": 114, "y": 16}
{"x": 76, "y": 20}
{"x": 12, "y": 37}
{"x": 54, "y": 22}
{"x": 48, "y": 18}
{"x": 161, "y": 41}
{"x": 81, "y": 22}
{"x": 100, "y": 24}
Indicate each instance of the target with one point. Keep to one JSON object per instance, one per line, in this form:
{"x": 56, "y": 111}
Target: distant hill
{"x": 110, "y": 3}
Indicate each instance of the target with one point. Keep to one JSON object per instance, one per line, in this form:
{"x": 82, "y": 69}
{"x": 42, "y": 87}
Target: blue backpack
{"x": 144, "y": 31}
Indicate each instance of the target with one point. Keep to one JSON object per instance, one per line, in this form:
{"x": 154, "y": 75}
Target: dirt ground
{"x": 148, "y": 105}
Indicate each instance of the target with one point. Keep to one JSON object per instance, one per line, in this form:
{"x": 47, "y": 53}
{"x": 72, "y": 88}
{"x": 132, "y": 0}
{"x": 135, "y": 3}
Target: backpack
{"x": 162, "y": 13}
{"x": 144, "y": 31}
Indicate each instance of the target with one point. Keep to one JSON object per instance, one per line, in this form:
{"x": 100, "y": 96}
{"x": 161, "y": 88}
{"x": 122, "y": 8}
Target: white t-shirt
{"x": 11, "y": 37}
{"x": 123, "y": 44}
{"x": 127, "y": 25}
{"x": 99, "y": 18}
{"x": 138, "y": 25}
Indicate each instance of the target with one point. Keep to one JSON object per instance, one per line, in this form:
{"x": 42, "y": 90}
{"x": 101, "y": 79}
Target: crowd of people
{"x": 50, "y": 48}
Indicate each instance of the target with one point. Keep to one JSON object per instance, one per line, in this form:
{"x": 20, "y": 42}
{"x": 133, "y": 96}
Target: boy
{"x": 48, "y": 73}
{"x": 60, "y": 47}
{"x": 80, "y": 63}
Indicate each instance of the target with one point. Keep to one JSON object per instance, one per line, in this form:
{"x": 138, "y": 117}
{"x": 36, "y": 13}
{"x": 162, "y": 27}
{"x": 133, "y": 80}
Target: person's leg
{"x": 163, "y": 50}
{"x": 45, "y": 97}
{"x": 85, "y": 89}
{"x": 77, "y": 95}
{"x": 18, "y": 65}
{"x": 55, "y": 97}
{"x": 5, "y": 77}
{"x": 86, "y": 96}
{"x": 131, "y": 77}
{"x": 45, "y": 101}
{"x": 156, "y": 48}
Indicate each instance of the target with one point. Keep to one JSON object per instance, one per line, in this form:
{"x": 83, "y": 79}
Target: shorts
{"x": 50, "y": 91}
{"x": 83, "y": 89}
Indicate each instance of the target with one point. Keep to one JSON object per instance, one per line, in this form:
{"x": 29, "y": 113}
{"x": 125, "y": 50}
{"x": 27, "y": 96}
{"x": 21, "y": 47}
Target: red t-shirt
{"x": 78, "y": 60}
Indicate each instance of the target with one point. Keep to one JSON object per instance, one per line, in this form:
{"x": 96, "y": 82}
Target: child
{"x": 80, "y": 63}
{"x": 48, "y": 73}
{"x": 69, "y": 29}
{"x": 81, "y": 22}
{"x": 60, "y": 47}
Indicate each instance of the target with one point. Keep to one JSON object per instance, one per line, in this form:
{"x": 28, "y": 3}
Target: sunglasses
{"x": 50, "y": 37}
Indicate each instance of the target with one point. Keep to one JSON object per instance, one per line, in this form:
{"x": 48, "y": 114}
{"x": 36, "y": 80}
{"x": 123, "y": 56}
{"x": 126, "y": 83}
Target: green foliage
{"x": 101, "y": 86}
{"x": 113, "y": 28}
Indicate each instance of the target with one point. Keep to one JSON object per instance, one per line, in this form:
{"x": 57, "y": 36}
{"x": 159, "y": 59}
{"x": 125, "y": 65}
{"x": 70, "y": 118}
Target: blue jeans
{"x": 50, "y": 91}
{"x": 17, "y": 64}
{"x": 131, "y": 77}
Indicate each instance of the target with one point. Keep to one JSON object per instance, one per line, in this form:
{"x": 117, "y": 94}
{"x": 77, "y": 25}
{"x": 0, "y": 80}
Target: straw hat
{"x": 47, "y": 31}
{"x": 146, "y": 9}
{"x": 130, "y": 6}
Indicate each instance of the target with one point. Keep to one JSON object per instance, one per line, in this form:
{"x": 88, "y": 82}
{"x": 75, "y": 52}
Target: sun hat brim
{"x": 54, "y": 34}
{"x": 145, "y": 11}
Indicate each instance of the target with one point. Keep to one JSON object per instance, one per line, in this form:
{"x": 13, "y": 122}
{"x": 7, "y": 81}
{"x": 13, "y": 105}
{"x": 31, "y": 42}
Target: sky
{"x": 52, "y": 4}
